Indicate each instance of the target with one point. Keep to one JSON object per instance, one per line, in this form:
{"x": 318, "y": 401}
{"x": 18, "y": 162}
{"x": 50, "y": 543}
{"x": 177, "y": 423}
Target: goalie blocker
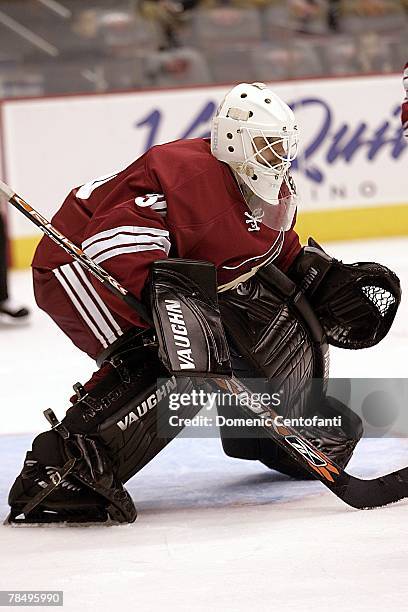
{"x": 187, "y": 318}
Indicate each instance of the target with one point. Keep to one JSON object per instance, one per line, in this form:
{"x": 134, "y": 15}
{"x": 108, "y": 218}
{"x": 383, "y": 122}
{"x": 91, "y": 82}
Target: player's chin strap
{"x": 355, "y": 303}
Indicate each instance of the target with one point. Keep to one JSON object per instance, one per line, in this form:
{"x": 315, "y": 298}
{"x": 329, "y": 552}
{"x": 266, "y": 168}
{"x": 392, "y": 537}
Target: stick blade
{"x": 365, "y": 494}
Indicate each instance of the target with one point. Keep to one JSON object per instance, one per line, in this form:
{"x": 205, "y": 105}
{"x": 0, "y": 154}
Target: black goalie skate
{"x": 80, "y": 486}
{"x": 67, "y": 501}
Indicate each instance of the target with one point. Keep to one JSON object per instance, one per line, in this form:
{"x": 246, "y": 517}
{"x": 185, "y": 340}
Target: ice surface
{"x": 213, "y": 533}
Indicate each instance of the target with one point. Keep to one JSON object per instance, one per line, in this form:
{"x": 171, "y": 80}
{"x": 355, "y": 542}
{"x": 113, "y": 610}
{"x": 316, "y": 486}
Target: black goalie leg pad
{"x": 276, "y": 332}
{"x": 128, "y": 410}
{"x": 117, "y": 425}
{"x": 336, "y": 441}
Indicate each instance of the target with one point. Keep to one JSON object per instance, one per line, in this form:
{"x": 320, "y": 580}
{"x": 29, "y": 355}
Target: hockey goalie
{"x": 202, "y": 231}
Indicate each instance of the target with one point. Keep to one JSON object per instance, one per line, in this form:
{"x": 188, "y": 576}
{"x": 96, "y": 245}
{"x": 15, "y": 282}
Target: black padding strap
{"x": 55, "y": 481}
{"x": 273, "y": 326}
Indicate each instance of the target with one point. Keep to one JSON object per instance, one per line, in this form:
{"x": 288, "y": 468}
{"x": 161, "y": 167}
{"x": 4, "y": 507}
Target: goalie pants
{"x": 67, "y": 295}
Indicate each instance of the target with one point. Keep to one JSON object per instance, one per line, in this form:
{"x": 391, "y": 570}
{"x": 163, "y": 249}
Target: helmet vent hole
{"x": 268, "y": 100}
{"x": 231, "y": 149}
{"x": 244, "y": 95}
{"x": 254, "y": 177}
{"x": 251, "y": 114}
{"x": 229, "y": 135}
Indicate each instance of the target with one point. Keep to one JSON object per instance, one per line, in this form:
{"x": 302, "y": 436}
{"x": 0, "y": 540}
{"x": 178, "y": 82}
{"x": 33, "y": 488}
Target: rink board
{"x": 350, "y": 172}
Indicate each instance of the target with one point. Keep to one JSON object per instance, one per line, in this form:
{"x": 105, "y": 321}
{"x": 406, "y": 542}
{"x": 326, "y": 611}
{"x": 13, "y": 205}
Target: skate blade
{"x": 23, "y": 523}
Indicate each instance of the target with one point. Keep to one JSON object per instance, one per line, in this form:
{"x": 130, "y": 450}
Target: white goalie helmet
{"x": 255, "y": 133}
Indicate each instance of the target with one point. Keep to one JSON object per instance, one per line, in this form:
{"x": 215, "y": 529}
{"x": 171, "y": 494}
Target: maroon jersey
{"x": 176, "y": 200}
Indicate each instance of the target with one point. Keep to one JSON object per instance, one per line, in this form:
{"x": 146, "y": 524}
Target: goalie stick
{"x": 356, "y": 492}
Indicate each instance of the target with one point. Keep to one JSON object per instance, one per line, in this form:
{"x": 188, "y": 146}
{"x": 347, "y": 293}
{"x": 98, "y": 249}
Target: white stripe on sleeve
{"x": 125, "y": 229}
{"x": 121, "y": 239}
{"x": 86, "y": 190}
{"x": 136, "y": 248}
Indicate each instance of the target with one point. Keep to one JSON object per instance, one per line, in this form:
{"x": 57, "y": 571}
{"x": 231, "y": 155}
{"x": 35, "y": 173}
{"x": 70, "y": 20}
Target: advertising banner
{"x": 353, "y": 156}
